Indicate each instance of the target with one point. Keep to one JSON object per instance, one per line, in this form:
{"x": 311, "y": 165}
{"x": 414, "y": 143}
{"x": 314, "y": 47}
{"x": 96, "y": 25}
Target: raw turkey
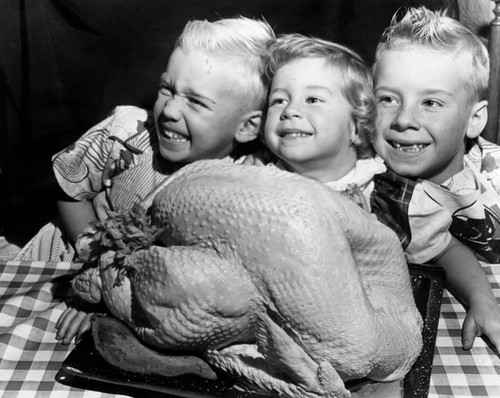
{"x": 270, "y": 276}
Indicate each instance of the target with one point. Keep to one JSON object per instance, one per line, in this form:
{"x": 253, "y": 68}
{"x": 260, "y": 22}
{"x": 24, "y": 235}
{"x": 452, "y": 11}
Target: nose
{"x": 405, "y": 118}
{"x": 172, "y": 108}
{"x": 292, "y": 110}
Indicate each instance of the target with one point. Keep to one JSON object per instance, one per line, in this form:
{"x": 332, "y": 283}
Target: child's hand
{"x": 258, "y": 158}
{"x": 483, "y": 319}
{"x": 252, "y": 160}
{"x": 74, "y": 321}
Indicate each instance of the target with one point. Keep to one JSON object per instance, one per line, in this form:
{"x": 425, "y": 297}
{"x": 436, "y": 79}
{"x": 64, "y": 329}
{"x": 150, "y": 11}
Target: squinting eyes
{"x": 195, "y": 102}
{"x": 168, "y": 92}
{"x": 165, "y": 90}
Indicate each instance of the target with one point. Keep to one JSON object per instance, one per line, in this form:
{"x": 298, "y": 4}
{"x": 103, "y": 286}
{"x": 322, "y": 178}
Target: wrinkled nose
{"x": 291, "y": 111}
{"x": 405, "y": 118}
{"x": 172, "y": 109}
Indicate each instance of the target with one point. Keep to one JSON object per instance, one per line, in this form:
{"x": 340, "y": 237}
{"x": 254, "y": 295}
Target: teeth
{"x": 295, "y": 134}
{"x": 408, "y": 148}
{"x": 174, "y": 136}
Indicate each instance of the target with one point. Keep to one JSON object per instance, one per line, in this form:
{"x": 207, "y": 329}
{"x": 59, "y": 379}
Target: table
{"x": 32, "y": 297}
{"x": 457, "y": 373}
{"x": 34, "y": 294}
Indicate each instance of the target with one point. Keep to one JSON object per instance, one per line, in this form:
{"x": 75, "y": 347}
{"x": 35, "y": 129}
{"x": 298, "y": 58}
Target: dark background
{"x": 65, "y": 64}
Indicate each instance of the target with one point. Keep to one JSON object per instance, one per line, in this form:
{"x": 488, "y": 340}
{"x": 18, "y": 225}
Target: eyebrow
{"x": 438, "y": 91}
{"x": 429, "y": 91}
{"x": 310, "y": 87}
{"x": 318, "y": 87}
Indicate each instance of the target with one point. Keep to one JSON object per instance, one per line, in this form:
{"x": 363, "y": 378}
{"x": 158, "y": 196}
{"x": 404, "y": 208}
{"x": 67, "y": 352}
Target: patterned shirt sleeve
{"x": 489, "y": 157}
{"x": 421, "y": 226}
{"x": 429, "y": 223}
{"x": 80, "y": 169}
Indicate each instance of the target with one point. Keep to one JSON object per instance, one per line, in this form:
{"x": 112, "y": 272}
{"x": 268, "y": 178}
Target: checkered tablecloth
{"x": 34, "y": 294}
{"x": 32, "y": 297}
{"x": 457, "y": 373}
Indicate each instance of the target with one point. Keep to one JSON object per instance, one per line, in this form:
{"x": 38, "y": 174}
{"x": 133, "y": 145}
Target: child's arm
{"x": 75, "y": 319}
{"x": 75, "y": 216}
{"x": 467, "y": 281}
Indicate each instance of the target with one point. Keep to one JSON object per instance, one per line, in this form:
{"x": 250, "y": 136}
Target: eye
{"x": 313, "y": 100}
{"x": 430, "y": 103}
{"x": 197, "y": 103}
{"x": 387, "y": 100}
{"x": 276, "y": 101}
{"x": 166, "y": 89}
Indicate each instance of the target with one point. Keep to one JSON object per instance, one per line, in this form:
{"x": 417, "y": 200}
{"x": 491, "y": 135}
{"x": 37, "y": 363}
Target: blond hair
{"x": 243, "y": 39}
{"x": 434, "y": 30}
{"x": 357, "y": 86}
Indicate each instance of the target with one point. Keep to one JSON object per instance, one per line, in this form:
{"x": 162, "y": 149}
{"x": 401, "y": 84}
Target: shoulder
{"x": 484, "y": 155}
{"x": 373, "y": 166}
{"x": 484, "y": 159}
{"x": 125, "y": 112}
{"x": 125, "y": 122}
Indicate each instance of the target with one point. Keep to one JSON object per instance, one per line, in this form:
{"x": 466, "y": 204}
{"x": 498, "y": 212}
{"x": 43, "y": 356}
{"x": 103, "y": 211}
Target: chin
{"x": 404, "y": 171}
{"x": 174, "y": 157}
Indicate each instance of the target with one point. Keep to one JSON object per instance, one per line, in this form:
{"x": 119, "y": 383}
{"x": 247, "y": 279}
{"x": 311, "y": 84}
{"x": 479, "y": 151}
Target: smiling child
{"x": 209, "y": 105}
{"x": 321, "y": 112}
{"x": 431, "y": 82}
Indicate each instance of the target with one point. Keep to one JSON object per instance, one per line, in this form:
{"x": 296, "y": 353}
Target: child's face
{"x": 198, "y": 110}
{"x": 309, "y": 123}
{"x": 423, "y": 112}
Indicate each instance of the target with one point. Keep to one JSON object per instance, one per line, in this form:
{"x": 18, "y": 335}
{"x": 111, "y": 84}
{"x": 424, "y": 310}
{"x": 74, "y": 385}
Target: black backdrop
{"x": 65, "y": 64}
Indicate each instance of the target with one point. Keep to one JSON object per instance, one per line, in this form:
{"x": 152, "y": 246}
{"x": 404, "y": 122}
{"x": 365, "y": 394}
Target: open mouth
{"x": 170, "y": 135}
{"x": 294, "y": 134}
{"x": 407, "y": 148}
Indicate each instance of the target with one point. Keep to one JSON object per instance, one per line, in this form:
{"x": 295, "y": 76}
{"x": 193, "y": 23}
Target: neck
{"x": 455, "y": 166}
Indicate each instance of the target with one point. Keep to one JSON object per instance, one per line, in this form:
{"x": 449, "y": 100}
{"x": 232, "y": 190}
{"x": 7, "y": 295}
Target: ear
{"x": 478, "y": 119}
{"x": 354, "y": 137}
{"x": 250, "y": 127}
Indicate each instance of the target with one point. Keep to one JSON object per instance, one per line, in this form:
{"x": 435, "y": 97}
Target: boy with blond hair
{"x": 441, "y": 187}
{"x": 320, "y": 113}
{"x": 209, "y": 106}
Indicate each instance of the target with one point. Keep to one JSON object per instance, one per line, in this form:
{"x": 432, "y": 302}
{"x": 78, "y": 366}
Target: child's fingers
{"x": 495, "y": 339}
{"x": 469, "y": 332}
{"x": 84, "y": 326}
{"x": 492, "y": 331}
{"x": 259, "y": 162}
{"x": 73, "y": 327}
{"x": 66, "y": 323}
{"x": 256, "y": 159}
{"x": 62, "y": 317}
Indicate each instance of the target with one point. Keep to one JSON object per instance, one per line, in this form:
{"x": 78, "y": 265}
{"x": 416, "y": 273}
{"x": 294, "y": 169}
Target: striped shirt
{"x": 115, "y": 164}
